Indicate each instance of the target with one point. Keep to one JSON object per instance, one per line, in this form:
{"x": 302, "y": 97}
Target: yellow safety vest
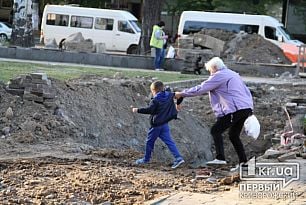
{"x": 154, "y": 42}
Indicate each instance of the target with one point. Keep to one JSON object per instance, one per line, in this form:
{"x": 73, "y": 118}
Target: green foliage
{"x": 178, "y": 6}
{"x": 248, "y": 6}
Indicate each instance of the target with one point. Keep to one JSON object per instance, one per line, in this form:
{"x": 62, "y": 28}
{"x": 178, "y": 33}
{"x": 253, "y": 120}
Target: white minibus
{"x": 266, "y": 26}
{"x": 117, "y": 29}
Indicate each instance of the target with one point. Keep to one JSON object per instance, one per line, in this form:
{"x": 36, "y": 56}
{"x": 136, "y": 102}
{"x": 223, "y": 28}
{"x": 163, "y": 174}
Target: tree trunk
{"x": 22, "y": 34}
{"x": 151, "y": 10}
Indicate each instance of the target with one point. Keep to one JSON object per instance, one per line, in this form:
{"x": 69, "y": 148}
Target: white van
{"x": 266, "y": 26}
{"x": 117, "y": 29}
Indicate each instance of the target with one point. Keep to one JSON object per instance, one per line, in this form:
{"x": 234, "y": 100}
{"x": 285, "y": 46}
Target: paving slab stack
{"x": 33, "y": 87}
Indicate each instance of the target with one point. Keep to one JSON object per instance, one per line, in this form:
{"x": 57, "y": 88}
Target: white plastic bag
{"x": 252, "y": 127}
{"x": 171, "y": 52}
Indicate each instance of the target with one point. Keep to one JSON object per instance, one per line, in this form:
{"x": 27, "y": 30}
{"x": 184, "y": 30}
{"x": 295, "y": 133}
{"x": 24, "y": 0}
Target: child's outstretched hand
{"x": 134, "y": 109}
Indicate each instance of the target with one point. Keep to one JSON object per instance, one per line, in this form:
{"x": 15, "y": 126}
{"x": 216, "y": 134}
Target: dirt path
{"x": 232, "y": 196}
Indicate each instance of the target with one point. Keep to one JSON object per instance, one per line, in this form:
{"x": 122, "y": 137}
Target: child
{"x": 162, "y": 109}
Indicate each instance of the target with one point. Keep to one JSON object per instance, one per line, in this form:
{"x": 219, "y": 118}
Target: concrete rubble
{"x": 234, "y": 47}
{"x": 76, "y": 42}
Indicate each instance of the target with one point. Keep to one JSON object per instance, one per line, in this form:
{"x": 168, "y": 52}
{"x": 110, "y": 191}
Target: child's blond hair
{"x": 157, "y": 86}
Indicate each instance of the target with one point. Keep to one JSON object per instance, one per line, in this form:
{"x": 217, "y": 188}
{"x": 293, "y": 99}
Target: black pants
{"x": 235, "y": 122}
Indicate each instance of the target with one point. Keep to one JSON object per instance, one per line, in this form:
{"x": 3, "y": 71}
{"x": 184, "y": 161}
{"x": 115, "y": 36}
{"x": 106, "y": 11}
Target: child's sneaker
{"x": 141, "y": 161}
{"x": 177, "y": 163}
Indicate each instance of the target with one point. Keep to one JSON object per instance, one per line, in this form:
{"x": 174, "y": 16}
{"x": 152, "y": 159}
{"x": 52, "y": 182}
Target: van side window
{"x": 270, "y": 33}
{"x": 104, "y": 24}
{"x": 196, "y": 26}
{"x": 57, "y": 19}
{"x": 81, "y": 21}
{"x": 124, "y": 27}
{"x": 250, "y": 28}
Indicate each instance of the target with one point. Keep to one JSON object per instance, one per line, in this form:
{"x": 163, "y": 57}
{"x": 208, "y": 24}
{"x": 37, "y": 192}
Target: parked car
{"x": 5, "y": 31}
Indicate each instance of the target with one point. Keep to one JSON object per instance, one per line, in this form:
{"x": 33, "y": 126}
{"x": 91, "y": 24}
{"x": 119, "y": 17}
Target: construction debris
{"x": 236, "y": 47}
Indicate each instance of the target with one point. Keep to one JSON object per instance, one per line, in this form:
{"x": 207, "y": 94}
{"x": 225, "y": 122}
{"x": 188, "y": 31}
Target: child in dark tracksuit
{"x": 162, "y": 109}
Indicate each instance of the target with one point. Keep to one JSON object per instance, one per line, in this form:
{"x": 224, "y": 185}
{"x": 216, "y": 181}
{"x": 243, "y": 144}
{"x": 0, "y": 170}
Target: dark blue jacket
{"x": 161, "y": 108}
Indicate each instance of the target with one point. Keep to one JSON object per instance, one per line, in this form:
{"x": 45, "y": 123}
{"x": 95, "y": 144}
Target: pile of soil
{"x": 96, "y": 112}
{"x": 250, "y": 48}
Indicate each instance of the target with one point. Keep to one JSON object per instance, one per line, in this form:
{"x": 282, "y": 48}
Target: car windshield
{"x": 285, "y": 33}
{"x": 6, "y": 24}
{"x": 135, "y": 26}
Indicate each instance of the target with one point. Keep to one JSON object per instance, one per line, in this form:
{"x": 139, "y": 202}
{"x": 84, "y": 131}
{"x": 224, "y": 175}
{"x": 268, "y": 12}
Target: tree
{"x": 22, "y": 34}
{"x": 248, "y": 6}
{"x": 151, "y": 16}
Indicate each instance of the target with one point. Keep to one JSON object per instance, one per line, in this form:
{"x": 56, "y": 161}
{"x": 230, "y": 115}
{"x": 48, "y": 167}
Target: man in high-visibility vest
{"x": 157, "y": 42}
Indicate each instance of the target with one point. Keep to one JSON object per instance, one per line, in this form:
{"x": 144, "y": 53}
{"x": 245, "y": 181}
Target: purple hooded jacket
{"x": 227, "y": 92}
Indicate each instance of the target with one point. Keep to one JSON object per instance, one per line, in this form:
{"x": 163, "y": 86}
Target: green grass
{"x": 10, "y": 70}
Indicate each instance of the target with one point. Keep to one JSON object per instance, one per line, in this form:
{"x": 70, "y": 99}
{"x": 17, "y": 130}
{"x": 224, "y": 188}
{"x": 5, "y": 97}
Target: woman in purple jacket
{"x": 231, "y": 102}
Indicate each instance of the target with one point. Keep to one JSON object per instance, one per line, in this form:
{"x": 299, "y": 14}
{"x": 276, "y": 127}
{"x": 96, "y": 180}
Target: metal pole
{"x": 287, "y": 12}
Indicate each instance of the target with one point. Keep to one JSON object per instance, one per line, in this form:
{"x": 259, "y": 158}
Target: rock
{"x": 284, "y": 157}
{"x": 76, "y": 42}
{"x": 272, "y": 154}
{"x": 206, "y": 41}
{"x": 50, "y": 43}
{"x": 100, "y": 47}
{"x": 37, "y": 116}
{"x": 275, "y": 140}
{"x": 9, "y": 113}
{"x": 268, "y": 136}
{"x": 6, "y": 131}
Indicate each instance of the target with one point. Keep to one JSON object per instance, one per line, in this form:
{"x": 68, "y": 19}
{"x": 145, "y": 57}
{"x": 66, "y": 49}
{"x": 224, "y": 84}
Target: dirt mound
{"x": 244, "y": 47}
{"x": 253, "y": 48}
{"x": 232, "y": 47}
{"x": 96, "y": 112}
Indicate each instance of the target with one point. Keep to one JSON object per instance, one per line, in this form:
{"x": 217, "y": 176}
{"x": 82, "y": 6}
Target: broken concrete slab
{"x": 284, "y": 157}
{"x": 206, "y": 41}
{"x": 186, "y": 43}
{"x": 273, "y": 154}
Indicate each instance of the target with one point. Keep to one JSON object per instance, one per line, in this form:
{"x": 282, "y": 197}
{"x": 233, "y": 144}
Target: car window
{"x": 124, "y": 26}
{"x": 7, "y": 24}
{"x": 57, "y": 19}
{"x": 81, "y": 21}
{"x": 270, "y": 33}
{"x": 196, "y": 26}
{"x": 136, "y": 26}
{"x": 104, "y": 24}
